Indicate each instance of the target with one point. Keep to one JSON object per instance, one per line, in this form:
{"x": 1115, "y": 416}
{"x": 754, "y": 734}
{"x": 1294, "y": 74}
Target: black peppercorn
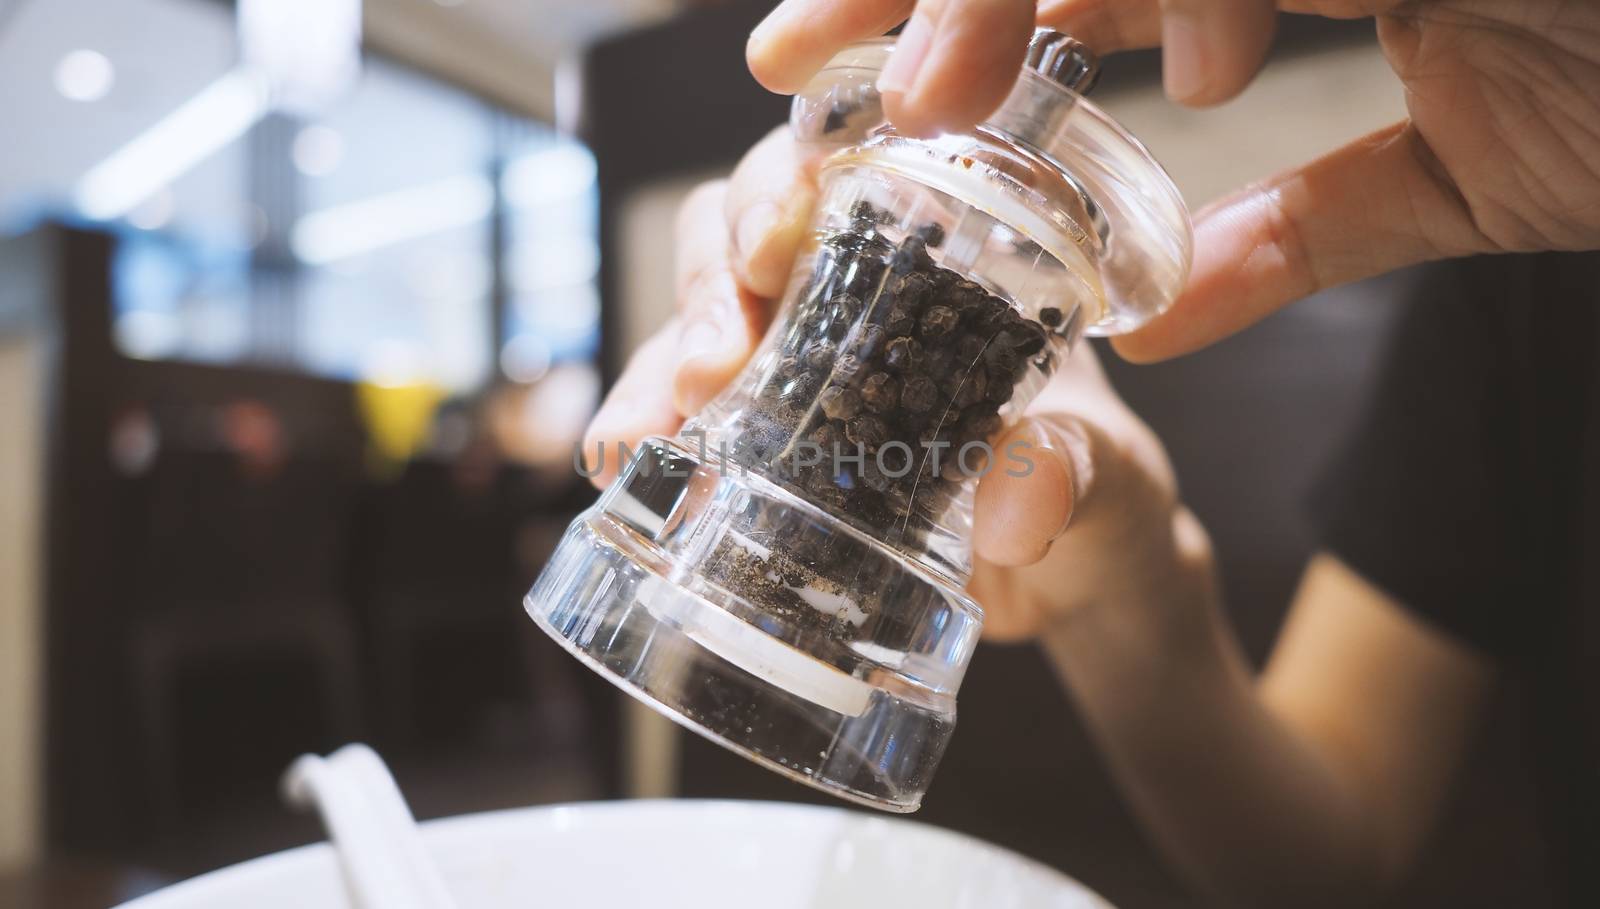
{"x": 826, "y": 436}
{"x": 874, "y": 478}
{"x": 847, "y": 368}
{"x": 880, "y": 392}
{"x": 968, "y": 349}
{"x": 936, "y": 454}
{"x": 903, "y": 355}
{"x": 979, "y": 422}
{"x": 909, "y": 423}
{"x": 896, "y": 461}
{"x": 821, "y": 353}
{"x": 1018, "y": 370}
{"x": 912, "y": 290}
{"x": 920, "y": 355}
{"x": 967, "y": 293}
{"x": 843, "y": 246}
{"x": 1000, "y": 387}
{"x": 937, "y": 323}
{"x": 866, "y": 272}
{"x": 911, "y": 255}
{"x": 866, "y": 341}
{"x": 918, "y": 394}
{"x": 1002, "y": 352}
{"x": 899, "y": 320}
{"x": 839, "y": 403}
{"x": 1030, "y": 338}
{"x": 867, "y": 431}
{"x": 842, "y": 312}
{"x": 940, "y": 361}
{"x": 968, "y": 388}
{"x": 994, "y": 315}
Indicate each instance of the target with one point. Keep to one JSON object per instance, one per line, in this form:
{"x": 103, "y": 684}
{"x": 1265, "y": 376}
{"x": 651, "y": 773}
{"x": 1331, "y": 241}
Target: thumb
{"x": 1041, "y": 475}
{"x": 1210, "y": 49}
{"x": 1378, "y": 204}
{"x": 954, "y": 63}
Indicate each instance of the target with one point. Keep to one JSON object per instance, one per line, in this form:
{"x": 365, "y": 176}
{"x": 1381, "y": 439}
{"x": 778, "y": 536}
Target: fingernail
{"x": 758, "y": 35}
{"x": 1068, "y": 444}
{"x": 1043, "y": 445}
{"x": 755, "y": 225}
{"x": 755, "y": 45}
{"x": 700, "y": 343}
{"x": 699, "y": 338}
{"x": 909, "y": 52}
{"x": 764, "y": 28}
{"x": 600, "y": 444}
{"x": 1183, "y": 63}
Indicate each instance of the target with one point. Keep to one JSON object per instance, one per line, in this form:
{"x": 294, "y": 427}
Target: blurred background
{"x": 303, "y": 304}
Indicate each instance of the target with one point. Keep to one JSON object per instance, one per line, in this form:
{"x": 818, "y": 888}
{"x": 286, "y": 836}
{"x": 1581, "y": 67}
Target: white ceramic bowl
{"x": 691, "y": 854}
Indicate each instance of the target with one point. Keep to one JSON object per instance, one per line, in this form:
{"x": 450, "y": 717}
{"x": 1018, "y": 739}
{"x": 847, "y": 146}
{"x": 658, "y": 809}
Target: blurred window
{"x": 407, "y": 231}
{"x": 396, "y": 236}
{"x": 552, "y": 255}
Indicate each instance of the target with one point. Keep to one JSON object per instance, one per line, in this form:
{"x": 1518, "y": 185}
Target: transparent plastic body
{"x": 1086, "y": 173}
{"x": 758, "y": 620}
{"x": 915, "y": 329}
{"x": 785, "y": 577}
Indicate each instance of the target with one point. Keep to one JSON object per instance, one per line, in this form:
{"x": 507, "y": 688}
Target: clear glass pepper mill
{"x": 785, "y": 576}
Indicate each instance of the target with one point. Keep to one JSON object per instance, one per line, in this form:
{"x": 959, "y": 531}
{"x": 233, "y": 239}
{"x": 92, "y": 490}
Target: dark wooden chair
{"x": 232, "y": 567}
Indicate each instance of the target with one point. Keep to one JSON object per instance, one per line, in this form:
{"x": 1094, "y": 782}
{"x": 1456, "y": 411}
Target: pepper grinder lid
{"x": 1140, "y": 230}
{"x": 1064, "y": 59}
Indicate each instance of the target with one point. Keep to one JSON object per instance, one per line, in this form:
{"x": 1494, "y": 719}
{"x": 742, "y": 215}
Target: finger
{"x": 1043, "y": 470}
{"x": 720, "y": 321}
{"x": 639, "y": 405}
{"x": 1010, "y": 615}
{"x": 1377, "y": 204}
{"x": 1210, "y": 49}
{"x": 800, "y": 36}
{"x": 954, "y": 63}
{"x": 767, "y": 210}
{"x": 1116, "y": 25}
{"x": 1105, "y": 26}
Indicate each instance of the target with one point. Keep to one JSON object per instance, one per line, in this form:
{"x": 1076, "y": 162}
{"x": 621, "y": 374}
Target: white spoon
{"x": 384, "y": 862}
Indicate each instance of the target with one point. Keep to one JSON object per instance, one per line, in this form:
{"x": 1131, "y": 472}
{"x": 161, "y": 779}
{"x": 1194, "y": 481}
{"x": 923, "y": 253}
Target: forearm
{"x": 1246, "y": 809}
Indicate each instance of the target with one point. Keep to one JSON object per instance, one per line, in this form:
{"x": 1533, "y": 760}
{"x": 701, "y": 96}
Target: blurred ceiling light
{"x": 85, "y": 75}
{"x": 525, "y": 359}
{"x": 222, "y": 112}
{"x": 309, "y": 50}
{"x": 318, "y": 150}
{"x": 358, "y": 228}
{"x": 550, "y": 175}
{"x": 450, "y": 3}
{"x": 155, "y": 213}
